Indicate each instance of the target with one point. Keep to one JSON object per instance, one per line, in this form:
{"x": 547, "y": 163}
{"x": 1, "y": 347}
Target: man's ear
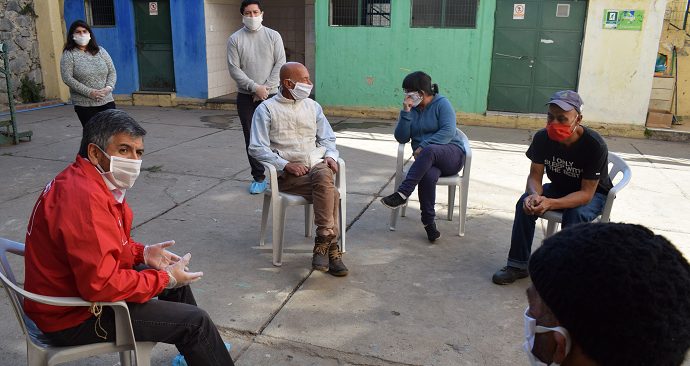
{"x": 559, "y": 354}
{"x": 286, "y": 84}
{"x": 93, "y": 153}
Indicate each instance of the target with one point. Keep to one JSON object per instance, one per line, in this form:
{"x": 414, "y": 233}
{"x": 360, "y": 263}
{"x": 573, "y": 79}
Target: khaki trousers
{"x": 318, "y": 186}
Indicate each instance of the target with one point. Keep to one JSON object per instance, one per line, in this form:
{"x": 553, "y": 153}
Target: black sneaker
{"x": 335, "y": 261}
{"x": 432, "y": 232}
{"x": 508, "y": 275}
{"x": 394, "y": 201}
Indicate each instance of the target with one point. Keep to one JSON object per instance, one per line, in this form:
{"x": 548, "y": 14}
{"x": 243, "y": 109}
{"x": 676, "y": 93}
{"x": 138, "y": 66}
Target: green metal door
{"x": 154, "y": 45}
{"x": 534, "y": 56}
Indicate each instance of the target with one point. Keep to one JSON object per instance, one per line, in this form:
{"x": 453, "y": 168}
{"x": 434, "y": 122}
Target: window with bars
{"x": 444, "y": 13}
{"x": 100, "y": 13}
{"x": 367, "y": 13}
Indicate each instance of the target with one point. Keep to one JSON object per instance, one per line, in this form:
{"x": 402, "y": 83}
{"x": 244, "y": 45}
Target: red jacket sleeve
{"x": 101, "y": 254}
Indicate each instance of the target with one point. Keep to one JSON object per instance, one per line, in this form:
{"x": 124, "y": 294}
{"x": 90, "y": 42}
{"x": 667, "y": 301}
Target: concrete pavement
{"x": 405, "y": 301}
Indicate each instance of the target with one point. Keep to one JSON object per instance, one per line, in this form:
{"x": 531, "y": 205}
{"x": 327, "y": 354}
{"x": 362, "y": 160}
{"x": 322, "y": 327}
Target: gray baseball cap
{"x": 567, "y": 100}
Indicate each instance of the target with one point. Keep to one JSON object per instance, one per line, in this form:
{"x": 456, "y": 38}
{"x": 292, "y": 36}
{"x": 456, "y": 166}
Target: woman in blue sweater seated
{"x": 428, "y": 119}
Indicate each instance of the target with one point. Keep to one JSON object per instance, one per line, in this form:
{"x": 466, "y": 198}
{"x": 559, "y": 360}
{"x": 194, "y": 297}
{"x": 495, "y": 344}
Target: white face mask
{"x": 252, "y": 23}
{"x": 531, "y": 329}
{"x": 416, "y": 99}
{"x": 82, "y": 39}
{"x": 123, "y": 172}
{"x": 301, "y": 90}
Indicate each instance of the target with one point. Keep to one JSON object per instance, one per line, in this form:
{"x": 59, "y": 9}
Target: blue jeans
{"x": 433, "y": 161}
{"x": 524, "y": 224}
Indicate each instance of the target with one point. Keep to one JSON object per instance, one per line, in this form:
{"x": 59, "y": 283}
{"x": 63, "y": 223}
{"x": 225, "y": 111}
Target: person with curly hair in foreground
{"x": 608, "y": 294}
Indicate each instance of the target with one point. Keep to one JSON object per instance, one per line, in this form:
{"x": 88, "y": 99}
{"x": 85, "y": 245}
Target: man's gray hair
{"x": 102, "y": 128}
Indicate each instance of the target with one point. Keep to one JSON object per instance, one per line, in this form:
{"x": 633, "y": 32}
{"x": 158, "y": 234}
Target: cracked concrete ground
{"x": 405, "y": 301}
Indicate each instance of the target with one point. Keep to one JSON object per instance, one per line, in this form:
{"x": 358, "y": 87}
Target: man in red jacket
{"x": 78, "y": 244}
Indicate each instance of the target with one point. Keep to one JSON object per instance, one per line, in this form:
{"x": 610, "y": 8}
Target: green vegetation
{"x": 153, "y": 169}
{"x": 29, "y": 90}
{"x": 29, "y": 10}
{"x": 648, "y": 132}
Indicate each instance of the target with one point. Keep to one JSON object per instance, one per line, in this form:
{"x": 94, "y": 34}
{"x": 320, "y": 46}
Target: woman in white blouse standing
{"x": 88, "y": 71}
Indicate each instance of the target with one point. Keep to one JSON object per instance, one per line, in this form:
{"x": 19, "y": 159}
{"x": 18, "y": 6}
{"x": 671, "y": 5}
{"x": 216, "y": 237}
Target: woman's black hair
{"x": 91, "y": 47}
{"x": 419, "y": 81}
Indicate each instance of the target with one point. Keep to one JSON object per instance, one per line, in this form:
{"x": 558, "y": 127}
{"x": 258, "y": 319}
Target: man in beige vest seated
{"x": 290, "y": 132}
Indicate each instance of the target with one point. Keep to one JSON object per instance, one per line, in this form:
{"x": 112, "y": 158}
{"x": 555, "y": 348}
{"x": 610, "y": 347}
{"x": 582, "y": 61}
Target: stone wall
{"x": 19, "y": 33}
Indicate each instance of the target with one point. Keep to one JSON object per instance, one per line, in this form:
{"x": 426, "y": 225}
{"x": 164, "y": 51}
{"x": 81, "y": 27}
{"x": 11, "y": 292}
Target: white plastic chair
{"x": 461, "y": 180}
{"x": 555, "y": 218}
{"x": 39, "y": 351}
{"x": 281, "y": 201}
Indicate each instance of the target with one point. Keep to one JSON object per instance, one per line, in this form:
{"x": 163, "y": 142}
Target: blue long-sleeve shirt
{"x": 436, "y": 124}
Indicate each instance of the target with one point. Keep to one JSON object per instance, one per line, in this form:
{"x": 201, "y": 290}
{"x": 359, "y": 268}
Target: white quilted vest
{"x": 293, "y": 130}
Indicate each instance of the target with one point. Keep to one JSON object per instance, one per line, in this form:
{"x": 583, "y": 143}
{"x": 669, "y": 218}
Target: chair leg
{"x": 451, "y": 202}
{"x": 126, "y": 358}
{"x": 278, "y": 234}
{"x": 551, "y": 228}
{"x": 264, "y": 218}
{"x": 342, "y": 218}
{"x": 462, "y": 206}
{"x": 308, "y": 220}
{"x": 394, "y": 218}
{"x": 143, "y": 355}
{"x": 403, "y": 210}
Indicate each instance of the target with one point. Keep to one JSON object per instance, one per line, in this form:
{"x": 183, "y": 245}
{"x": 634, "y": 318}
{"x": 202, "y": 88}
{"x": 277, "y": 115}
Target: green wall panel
{"x": 365, "y": 66}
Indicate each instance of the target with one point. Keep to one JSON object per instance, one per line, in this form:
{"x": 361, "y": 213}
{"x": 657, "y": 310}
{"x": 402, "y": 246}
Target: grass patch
{"x": 153, "y": 169}
{"x": 648, "y": 132}
{"x": 7, "y": 154}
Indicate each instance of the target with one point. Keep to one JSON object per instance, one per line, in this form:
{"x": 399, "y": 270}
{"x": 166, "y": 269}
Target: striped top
{"x": 83, "y": 72}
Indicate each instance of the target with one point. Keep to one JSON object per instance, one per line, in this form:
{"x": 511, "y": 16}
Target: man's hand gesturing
{"x": 178, "y": 273}
{"x": 158, "y": 257}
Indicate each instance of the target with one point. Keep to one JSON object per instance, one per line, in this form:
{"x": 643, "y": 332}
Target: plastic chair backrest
{"x": 16, "y": 299}
{"x": 468, "y": 152}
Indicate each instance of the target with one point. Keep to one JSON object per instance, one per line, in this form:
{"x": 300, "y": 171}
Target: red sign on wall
{"x": 153, "y": 8}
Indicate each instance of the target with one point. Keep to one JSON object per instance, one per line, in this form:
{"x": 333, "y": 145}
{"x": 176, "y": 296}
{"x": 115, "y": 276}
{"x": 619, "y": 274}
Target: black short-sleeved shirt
{"x": 587, "y": 158}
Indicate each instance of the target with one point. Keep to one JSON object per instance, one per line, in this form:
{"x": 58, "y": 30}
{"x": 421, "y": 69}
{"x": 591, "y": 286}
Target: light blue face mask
{"x": 531, "y": 330}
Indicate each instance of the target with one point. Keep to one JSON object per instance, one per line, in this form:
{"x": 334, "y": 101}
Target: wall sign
{"x": 519, "y": 11}
{"x": 153, "y": 8}
{"x": 623, "y": 19}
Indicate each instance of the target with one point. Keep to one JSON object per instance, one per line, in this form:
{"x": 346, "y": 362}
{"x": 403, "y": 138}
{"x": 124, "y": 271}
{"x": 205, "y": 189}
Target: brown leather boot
{"x": 335, "y": 261}
{"x": 319, "y": 259}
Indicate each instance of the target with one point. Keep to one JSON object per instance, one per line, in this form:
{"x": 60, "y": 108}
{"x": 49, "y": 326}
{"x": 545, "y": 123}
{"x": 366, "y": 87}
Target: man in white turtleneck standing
{"x": 255, "y": 55}
{"x": 290, "y": 132}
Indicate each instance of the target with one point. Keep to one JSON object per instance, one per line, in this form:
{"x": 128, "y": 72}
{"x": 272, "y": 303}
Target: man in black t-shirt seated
{"x": 576, "y": 161}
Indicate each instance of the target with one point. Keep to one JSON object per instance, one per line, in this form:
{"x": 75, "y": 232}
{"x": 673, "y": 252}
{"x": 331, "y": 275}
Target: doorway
{"x": 153, "y": 34}
{"x": 537, "y": 47}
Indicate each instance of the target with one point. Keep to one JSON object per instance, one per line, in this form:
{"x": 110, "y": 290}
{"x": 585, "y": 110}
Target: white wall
{"x": 617, "y": 66}
{"x": 223, "y": 18}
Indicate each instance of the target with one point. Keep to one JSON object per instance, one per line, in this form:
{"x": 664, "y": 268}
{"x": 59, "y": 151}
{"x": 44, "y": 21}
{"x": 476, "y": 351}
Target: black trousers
{"x": 245, "y": 109}
{"x": 174, "y": 318}
{"x": 86, "y": 113}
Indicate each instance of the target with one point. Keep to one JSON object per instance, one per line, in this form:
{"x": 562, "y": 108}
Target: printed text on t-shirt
{"x": 558, "y": 165}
